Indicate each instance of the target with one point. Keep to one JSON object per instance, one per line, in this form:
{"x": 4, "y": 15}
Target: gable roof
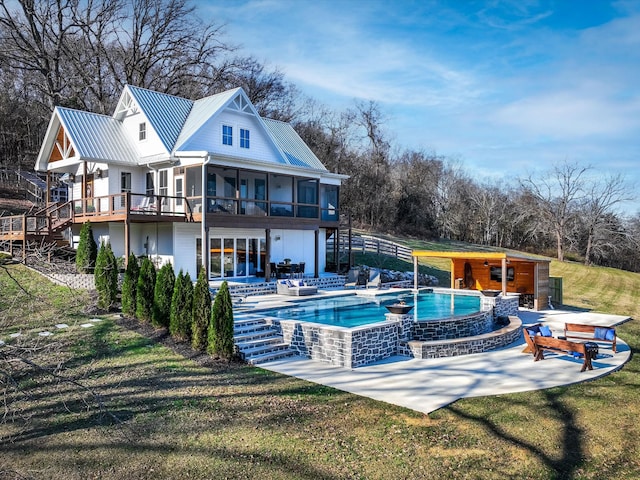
{"x": 176, "y": 120}
{"x": 202, "y": 111}
{"x": 93, "y": 136}
{"x": 166, "y": 113}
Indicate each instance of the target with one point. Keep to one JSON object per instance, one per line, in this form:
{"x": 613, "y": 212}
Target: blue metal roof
{"x": 97, "y": 137}
{"x": 166, "y": 113}
{"x": 289, "y": 142}
{"x": 33, "y": 178}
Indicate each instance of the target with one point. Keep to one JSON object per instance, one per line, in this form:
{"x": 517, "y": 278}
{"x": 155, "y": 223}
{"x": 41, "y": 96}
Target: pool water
{"x": 355, "y": 310}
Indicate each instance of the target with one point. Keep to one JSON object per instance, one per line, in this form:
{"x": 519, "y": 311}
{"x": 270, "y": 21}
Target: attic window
{"x": 227, "y": 135}
{"x": 142, "y": 132}
{"x": 244, "y": 138}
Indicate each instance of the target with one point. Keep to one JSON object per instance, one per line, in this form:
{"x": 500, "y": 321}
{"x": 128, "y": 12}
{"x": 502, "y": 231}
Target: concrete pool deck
{"x": 429, "y": 384}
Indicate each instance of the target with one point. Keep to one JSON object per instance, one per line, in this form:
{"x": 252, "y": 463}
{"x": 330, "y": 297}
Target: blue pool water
{"x": 354, "y": 310}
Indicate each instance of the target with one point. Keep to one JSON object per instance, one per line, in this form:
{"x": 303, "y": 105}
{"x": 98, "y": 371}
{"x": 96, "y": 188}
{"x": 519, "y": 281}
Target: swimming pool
{"x": 356, "y": 310}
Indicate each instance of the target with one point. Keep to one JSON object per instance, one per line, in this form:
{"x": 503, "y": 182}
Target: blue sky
{"x": 505, "y": 87}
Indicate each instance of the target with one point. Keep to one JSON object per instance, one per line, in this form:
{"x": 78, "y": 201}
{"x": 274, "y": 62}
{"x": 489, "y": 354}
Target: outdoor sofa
{"x": 294, "y": 287}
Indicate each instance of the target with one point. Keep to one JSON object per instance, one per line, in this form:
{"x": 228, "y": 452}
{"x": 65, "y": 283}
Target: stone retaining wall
{"x": 84, "y": 281}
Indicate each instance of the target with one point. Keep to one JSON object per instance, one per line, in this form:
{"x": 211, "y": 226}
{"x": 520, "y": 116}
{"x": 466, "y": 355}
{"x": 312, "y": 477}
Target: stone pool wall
{"x": 501, "y": 306}
{"x": 399, "y": 335}
{"x": 450, "y": 328}
{"x": 464, "y": 346}
{"x": 347, "y": 347}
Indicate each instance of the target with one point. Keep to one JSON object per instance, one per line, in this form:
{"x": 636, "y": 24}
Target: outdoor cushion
{"x": 602, "y": 333}
{"x": 545, "y": 331}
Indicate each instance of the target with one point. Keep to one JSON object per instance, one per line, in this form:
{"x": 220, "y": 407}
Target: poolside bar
{"x": 505, "y": 272}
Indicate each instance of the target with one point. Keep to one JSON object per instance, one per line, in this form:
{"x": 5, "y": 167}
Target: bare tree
{"x": 597, "y": 214}
{"x": 373, "y": 183}
{"x": 416, "y": 175}
{"x": 558, "y": 194}
{"x": 33, "y": 38}
{"x": 452, "y": 203}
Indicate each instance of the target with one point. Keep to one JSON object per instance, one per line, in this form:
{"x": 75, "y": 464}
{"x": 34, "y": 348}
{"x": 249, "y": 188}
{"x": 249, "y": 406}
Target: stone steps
{"x": 258, "y": 341}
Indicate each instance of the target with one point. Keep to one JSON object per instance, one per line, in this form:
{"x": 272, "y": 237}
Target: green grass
{"x": 181, "y": 416}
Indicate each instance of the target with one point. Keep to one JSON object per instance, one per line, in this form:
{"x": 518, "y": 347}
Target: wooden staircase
{"x": 45, "y": 224}
{"x": 257, "y": 339}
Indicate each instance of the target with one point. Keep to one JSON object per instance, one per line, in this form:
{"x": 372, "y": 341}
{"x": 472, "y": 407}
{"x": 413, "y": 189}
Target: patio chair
{"x": 353, "y": 278}
{"x": 274, "y": 269}
{"x": 374, "y": 280}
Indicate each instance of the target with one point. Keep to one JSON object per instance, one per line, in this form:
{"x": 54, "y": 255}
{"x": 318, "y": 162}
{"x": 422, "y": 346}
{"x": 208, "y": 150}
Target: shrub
{"x": 106, "y": 277}
{"x": 201, "y": 313}
{"x": 129, "y": 286}
{"x": 220, "y": 340}
{"x": 144, "y": 290}
{"x": 87, "y": 250}
{"x": 162, "y": 295}
{"x": 181, "y": 308}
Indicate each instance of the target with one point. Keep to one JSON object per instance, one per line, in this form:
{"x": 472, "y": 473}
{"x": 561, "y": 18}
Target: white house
{"x": 206, "y": 182}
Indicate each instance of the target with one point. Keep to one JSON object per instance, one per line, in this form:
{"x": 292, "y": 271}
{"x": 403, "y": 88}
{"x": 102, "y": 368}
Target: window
{"x": 142, "y": 132}
{"x": 125, "y": 186}
{"x": 163, "y": 187}
{"x": 149, "y": 190}
{"x": 227, "y": 135}
{"x": 244, "y": 138}
{"x": 163, "y": 183}
{"x": 179, "y": 191}
{"x": 125, "y": 182}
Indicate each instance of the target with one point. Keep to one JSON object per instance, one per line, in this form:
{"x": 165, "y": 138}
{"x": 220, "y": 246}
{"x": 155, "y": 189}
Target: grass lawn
{"x": 128, "y": 402}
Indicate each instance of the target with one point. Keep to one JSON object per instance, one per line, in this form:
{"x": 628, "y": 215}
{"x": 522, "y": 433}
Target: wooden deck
{"x": 124, "y": 207}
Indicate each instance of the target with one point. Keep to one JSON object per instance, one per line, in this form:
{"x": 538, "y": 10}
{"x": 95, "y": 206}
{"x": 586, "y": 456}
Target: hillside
{"x": 12, "y": 202}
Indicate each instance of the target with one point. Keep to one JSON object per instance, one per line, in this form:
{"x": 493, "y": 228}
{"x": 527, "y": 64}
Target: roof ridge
{"x": 158, "y": 93}
{"x": 86, "y": 112}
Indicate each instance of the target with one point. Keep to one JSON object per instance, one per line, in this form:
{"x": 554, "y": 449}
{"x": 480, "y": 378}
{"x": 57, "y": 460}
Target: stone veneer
{"x": 399, "y": 335}
{"x": 346, "y": 347}
{"x": 464, "y": 346}
{"x": 267, "y": 288}
{"x": 450, "y": 328}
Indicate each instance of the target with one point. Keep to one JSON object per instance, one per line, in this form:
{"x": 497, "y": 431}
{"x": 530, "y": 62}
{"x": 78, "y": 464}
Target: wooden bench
{"x": 596, "y": 333}
{"x": 540, "y": 344}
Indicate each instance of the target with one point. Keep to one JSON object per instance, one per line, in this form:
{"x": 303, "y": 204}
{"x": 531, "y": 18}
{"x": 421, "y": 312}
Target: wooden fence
{"x": 369, "y": 244}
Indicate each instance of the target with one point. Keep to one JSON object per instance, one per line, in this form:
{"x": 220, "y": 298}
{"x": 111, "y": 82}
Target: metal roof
{"x": 33, "y": 178}
{"x": 166, "y": 113}
{"x": 200, "y": 113}
{"x": 97, "y": 137}
{"x": 289, "y": 142}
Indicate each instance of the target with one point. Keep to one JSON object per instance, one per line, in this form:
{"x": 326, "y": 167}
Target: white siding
{"x": 152, "y": 144}
{"x": 184, "y": 239}
{"x": 209, "y": 138}
{"x": 116, "y": 237}
{"x": 298, "y": 245}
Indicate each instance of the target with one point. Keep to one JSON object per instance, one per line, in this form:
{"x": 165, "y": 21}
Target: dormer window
{"x": 244, "y": 138}
{"x": 227, "y": 135}
{"x": 142, "y": 131}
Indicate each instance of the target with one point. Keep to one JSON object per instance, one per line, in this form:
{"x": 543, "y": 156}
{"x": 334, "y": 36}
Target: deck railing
{"x": 133, "y": 204}
{"x": 42, "y": 223}
{"x": 265, "y": 208}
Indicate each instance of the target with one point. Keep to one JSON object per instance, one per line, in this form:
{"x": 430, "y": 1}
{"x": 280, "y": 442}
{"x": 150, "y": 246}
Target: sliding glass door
{"x": 236, "y": 257}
